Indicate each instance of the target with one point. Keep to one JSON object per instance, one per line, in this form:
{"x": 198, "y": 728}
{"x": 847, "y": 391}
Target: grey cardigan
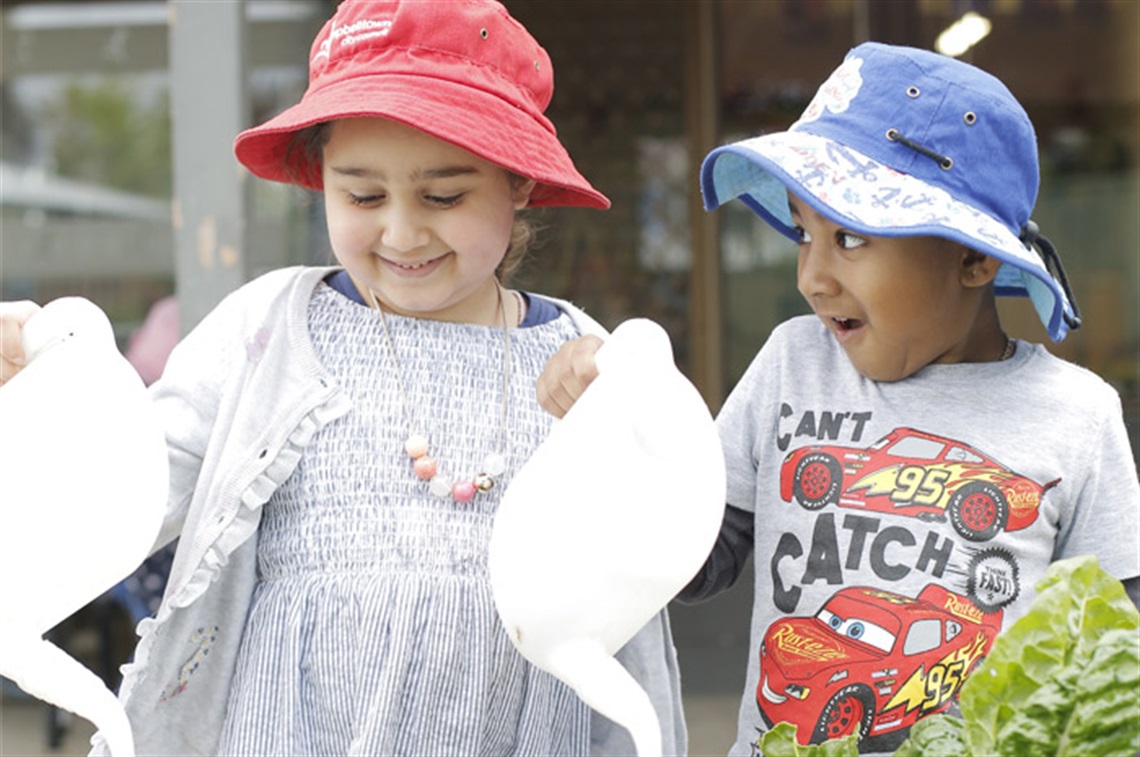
{"x": 241, "y": 397}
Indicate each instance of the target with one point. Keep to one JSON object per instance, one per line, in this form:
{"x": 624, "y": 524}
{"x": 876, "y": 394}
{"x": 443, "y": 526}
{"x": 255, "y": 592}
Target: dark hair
{"x": 304, "y": 153}
{"x": 304, "y": 156}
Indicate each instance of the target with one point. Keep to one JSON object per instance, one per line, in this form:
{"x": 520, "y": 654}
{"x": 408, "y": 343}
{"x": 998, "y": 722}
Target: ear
{"x": 978, "y": 269}
{"x": 520, "y": 192}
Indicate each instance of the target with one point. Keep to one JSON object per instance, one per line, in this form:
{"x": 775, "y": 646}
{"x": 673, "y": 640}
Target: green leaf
{"x": 935, "y": 736}
{"x": 1105, "y": 718}
{"x": 781, "y": 742}
{"x": 1063, "y": 679}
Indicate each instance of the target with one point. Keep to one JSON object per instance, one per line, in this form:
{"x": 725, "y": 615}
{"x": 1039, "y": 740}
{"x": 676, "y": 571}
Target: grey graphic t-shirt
{"x": 900, "y": 526}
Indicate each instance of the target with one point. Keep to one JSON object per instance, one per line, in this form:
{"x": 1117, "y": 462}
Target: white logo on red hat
{"x": 353, "y": 34}
{"x": 836, "y": 93}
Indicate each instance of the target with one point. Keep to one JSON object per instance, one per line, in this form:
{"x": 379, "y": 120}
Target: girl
{"x": 340, "y": 438}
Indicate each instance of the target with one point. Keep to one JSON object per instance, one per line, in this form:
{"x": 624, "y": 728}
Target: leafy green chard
{"x": 936, "y": 736}
{"x": 781, "y": 742}
{"x": 1062, "y": 680}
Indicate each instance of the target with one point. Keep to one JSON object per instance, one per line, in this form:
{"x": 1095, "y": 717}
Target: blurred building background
{"x": 117, "y": 180}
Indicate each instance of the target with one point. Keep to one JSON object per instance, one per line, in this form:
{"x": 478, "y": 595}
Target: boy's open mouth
{"x": 847, "y": 324}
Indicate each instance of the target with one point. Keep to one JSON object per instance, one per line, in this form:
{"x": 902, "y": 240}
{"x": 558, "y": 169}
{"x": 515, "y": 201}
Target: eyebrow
{"x": 444, "y": 172}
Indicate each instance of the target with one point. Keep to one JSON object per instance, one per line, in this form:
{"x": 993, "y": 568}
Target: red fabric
{"x": 463, "y": 71}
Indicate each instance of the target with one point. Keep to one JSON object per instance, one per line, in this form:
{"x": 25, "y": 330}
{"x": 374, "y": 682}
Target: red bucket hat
{"x": 462, "y": 71}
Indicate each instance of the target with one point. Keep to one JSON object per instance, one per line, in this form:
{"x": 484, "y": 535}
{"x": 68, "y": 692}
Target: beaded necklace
{"x": 416, "y": 445}
{"x": 1010, "y": 348}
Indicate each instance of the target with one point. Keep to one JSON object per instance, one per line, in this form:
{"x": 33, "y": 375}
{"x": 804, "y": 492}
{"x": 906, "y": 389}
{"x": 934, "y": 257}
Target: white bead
{"x": 416, "y": 445}
{"x": 440, "y": 486}
{"x": 494, "y": 464}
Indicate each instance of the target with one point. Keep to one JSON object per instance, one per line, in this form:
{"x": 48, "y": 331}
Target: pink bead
{"x": 416, "y": 445}
{"x": 463, "y": 491}
{"x": 424, "y": 467}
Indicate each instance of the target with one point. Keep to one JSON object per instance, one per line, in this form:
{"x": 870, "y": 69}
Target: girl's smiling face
{"x": 417, "y": 220}
{"x": 897, "y": 304}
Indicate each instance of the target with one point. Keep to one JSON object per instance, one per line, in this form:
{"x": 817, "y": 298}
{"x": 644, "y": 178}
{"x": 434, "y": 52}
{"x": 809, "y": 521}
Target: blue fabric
{"x": 539, "y": 309}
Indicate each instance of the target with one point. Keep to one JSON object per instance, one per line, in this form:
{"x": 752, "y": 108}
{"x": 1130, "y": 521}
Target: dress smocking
{"x": 372, "y": 628}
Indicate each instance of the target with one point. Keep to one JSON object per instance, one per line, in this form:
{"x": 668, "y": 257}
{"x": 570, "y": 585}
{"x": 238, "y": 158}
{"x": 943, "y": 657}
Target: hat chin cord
{"x": 1031, "y": 237}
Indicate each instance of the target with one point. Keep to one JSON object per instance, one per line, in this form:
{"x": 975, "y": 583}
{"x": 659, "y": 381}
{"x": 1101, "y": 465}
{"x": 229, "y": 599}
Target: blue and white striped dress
{"x": 372, "y": 629}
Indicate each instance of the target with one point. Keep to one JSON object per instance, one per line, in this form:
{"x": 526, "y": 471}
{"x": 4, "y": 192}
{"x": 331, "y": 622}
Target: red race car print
{"x": 920, "y": 475}
{"x": 871, "y": 662}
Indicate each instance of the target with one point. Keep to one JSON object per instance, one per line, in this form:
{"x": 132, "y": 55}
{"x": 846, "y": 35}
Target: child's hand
{"x": 13, "y": 316}
{"x": 567, "y": 374}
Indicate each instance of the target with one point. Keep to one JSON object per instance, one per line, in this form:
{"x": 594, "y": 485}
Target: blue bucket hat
{"x": 907, "y": 142}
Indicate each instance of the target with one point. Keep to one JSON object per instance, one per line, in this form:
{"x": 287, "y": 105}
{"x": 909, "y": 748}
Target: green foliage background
{"x": 105, "y": 135}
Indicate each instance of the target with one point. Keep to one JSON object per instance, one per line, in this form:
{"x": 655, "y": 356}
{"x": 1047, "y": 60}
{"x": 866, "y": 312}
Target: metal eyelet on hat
{"x": 913, "y": 91}
{"x": 970, "y": 118}
{"x": 946, "y": 163}
{"x": 893, "y": 134}
{"x": 483, "y": 33}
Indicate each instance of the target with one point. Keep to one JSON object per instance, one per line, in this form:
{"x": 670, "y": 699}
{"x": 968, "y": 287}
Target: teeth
{"x": 413, "y": 267}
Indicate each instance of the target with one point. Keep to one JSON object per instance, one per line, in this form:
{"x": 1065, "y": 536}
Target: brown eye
{"x": 848, "y": 241}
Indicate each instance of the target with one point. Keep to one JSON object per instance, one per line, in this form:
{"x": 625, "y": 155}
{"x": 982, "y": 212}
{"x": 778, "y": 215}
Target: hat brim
{"x": 473, "y": 119}
{"x": 867, "y": 197}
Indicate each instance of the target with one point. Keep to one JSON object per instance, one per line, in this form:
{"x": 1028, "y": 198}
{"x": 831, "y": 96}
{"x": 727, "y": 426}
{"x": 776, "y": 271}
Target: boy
{"x": 903, "y": 470}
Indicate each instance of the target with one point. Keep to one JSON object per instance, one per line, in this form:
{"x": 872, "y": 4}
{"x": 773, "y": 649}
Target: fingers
{"x": 13, "y": 316}
{"x": 567, "y": 375}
